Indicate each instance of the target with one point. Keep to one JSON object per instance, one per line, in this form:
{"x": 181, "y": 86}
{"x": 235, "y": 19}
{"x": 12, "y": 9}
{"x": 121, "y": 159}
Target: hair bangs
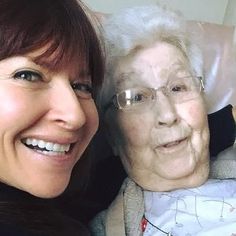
{"x": 71, "y": 51}
{"x": 58, "y": 32}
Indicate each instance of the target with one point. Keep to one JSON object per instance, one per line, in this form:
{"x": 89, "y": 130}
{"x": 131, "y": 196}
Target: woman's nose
{"x": 66, "y": 109}
{"x": 166, "y": 113}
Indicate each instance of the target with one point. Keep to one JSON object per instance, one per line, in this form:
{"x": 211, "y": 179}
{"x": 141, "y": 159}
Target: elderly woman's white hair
{"x": 140, "y": 27}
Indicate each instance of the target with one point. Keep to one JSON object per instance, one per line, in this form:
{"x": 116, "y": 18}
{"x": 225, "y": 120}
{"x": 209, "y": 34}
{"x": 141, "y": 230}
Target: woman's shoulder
{"x": 69, "y": 227}
{"x": 13, "y": 230}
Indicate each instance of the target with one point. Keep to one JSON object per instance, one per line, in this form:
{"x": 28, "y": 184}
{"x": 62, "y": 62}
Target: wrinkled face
{"x": 165, "y": 146}
{"x": 47, "y": 121}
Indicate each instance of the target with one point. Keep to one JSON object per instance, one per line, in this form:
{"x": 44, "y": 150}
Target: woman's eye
{"x": 28, "y": 75}
{"x": 83, "y": 90}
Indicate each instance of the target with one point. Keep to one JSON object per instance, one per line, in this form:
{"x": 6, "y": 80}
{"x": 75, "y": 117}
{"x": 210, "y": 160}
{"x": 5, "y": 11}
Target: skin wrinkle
{"x": 130, "y": 78}
{"x": 139, "y": 134}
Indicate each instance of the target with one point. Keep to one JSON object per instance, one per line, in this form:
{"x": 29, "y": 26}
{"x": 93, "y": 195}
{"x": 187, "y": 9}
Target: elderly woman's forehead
{"x": 146, "y": 59}
{"x": 127, "y": 74}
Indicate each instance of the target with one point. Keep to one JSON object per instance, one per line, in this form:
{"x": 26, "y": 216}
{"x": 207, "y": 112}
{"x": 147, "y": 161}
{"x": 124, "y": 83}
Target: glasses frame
{"x": 114, "y": 99}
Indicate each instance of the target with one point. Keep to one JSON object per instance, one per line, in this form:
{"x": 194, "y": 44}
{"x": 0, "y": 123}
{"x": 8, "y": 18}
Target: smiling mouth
{"x": 47, "y": 148}
{"x": 172, "y": 144}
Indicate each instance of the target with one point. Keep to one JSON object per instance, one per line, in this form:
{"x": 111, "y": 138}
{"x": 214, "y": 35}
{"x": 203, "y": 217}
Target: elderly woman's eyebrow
{"x": 129, "y": 78}
{"x": 126, "y": 77}
{"x": 180, "y": 66}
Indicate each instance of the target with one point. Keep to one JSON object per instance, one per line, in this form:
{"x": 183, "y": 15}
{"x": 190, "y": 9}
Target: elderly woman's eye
{"x": 138, "y": 97}
{"x": 28, "y": 75}
{"x": 179, "y": 88}
{"x": 82, "y": 90}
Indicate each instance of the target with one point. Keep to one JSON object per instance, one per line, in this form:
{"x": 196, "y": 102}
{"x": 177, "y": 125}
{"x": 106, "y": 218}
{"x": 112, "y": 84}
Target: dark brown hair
{"x": 60, "y": 26}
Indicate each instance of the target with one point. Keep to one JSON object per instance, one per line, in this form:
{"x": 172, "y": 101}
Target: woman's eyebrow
{"x": 84, "y": 74}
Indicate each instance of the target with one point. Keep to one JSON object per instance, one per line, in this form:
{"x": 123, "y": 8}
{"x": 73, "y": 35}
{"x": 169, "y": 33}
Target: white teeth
{"x": 49, "y": 146}
{"x": 34, "y": 142}
{"x": 41, "y": 144}
{"x": 54, "y": 147}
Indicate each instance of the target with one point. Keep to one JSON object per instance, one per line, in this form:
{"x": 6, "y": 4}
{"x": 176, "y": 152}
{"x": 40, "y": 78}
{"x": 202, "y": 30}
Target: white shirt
{"x": 206, "y": 210}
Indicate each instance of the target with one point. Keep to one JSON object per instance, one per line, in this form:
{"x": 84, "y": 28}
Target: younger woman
{"x": 50, "y": 66}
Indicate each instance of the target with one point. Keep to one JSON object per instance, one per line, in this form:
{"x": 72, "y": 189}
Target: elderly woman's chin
{"x": 191, "y": 179}
{"x": 170, "y": 180}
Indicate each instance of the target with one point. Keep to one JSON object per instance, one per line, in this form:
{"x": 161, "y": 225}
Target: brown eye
{"x": 82, "y": 90}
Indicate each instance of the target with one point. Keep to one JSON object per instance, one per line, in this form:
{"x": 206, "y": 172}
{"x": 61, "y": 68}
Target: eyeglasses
{"x": 179, "y": 90}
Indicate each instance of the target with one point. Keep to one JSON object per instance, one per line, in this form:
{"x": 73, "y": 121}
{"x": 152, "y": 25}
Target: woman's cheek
{"x": 193, "y": 114}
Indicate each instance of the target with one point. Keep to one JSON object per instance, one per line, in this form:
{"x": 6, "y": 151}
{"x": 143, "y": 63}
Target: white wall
{"x": 230, "y": 14}
{"x": 214, "y": 11}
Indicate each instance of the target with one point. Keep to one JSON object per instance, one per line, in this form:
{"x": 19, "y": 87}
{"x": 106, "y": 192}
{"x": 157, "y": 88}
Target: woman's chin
{"x": 48, "y": 193}
{"x": 47, "y": 189}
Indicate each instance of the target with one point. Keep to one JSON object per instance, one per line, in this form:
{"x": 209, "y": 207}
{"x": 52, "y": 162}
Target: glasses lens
{"x": 183, "y": 89}
{"x": 134, "y": 97}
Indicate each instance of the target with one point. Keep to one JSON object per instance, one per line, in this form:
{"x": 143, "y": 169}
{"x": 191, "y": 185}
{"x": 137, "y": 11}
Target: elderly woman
{"x": 152, "y": 103}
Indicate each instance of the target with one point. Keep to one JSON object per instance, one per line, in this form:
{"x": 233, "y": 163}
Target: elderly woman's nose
{"x": 165, "y": 112}
{"x": 66, "y": 108}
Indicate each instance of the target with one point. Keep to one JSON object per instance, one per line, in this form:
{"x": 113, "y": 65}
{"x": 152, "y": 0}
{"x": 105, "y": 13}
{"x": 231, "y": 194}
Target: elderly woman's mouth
{"x": 171, "y": 144}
